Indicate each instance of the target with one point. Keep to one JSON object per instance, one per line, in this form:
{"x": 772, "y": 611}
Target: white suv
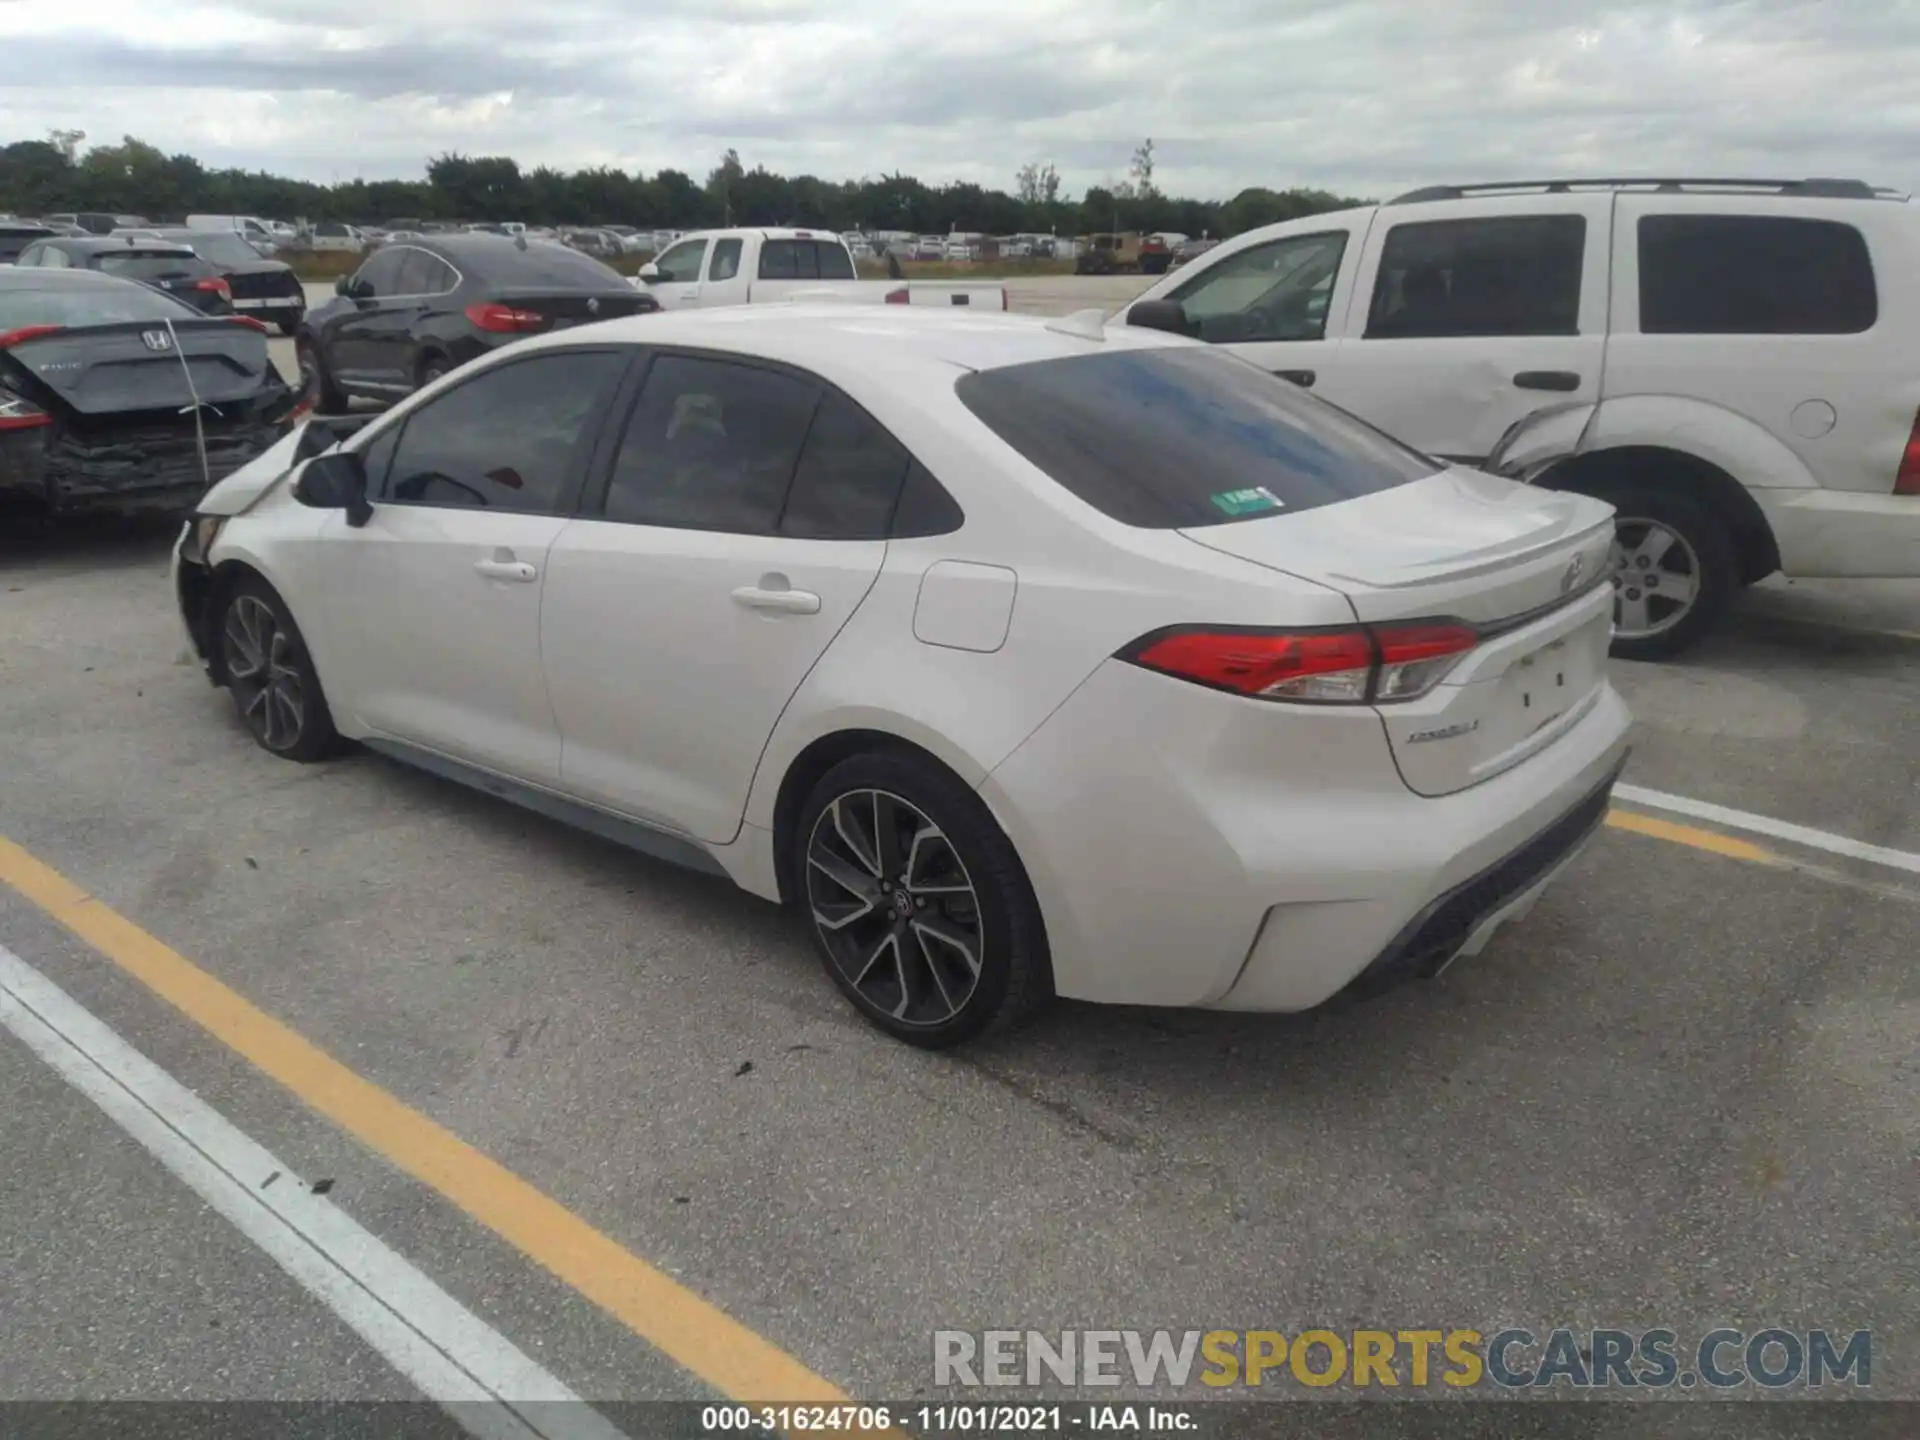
{"x": 1732, "y": 364}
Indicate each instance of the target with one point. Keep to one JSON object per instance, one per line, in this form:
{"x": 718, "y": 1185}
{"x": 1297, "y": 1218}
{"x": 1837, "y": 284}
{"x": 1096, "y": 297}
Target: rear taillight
{"x": 214, "y": 285}
{"x": 1360, "y": 666}
{"x": 1907, "y": 482}
{"x": 27, "y": 332}
{"x": 18, "y": 414}
{"x": 898, "y": 297}
{"x": 504, "y": 319}
{"x": 246, "y": 320}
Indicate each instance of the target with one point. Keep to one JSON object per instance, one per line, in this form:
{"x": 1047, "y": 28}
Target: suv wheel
{"x": 271, "y": 676}
{"x": 1674, "y": 569}
{"x": 919, "y": 907}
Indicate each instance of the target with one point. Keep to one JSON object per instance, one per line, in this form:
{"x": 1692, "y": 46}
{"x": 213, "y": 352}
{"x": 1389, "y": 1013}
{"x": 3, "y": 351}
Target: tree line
{"x": 60, "y": 173}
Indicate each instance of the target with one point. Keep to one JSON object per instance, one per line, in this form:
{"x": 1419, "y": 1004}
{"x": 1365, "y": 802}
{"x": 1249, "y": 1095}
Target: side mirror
{"x": 343, "y": 286}
{"x": 1168, "y": 315}
{"x": 650, "y": 273}
{"x": 336, "y": 480}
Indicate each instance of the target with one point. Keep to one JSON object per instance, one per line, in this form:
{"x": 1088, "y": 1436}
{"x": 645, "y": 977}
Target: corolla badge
{"x": 1576, "y": 567}
{"x": 156, "y": 339}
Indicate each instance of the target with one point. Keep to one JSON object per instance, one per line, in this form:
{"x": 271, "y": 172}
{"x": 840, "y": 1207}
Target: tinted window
{"x": 1276, "y": 291}
{"x": 101, "y": 304}
{"x": 377, "y": 456}
{"x": 1517, "y": 275}
{"x": 542, "y": 263}
{"x": 1753, "y": 275}
{"x": 925, "y": 507}
{"x": 805, "y": 260}
{"x": 726, "y": 260}
{"x": 710, "y": 445}
{"x": 139, "y": 265}
{"x": 1182, "y": 436}
{"x": 221, "y": 249}
{"x": 379, "y": 274}
{"x": 682, "y": 262}
{"x": 849, "y": 477}
{"x": 416, "y": 273}
{"x": 507, "y": 439}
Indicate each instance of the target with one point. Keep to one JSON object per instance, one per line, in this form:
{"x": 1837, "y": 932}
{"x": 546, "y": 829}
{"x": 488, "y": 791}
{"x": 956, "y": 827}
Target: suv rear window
{"x": 1753, "y": 275}
{"x": 152, "y": 265}
{"x": 805, "y": 260}
{"x": 1180, "y": 437}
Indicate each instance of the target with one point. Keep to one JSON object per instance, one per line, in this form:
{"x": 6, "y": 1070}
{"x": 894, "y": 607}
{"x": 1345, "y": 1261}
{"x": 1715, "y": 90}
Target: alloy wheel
{"x": 894, "y": 907}
{"x": 1656, "y": 578}
{"x": 259, "y": 656}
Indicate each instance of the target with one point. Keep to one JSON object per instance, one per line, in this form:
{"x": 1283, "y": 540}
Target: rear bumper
{"x": 1194, "y": 851}
{"x": 145, "y": 468}
{"x": 1844, "y": 534}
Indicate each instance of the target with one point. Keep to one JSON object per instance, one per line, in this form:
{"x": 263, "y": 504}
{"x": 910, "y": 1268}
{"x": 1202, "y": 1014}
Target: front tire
{"x": 1674, "y": 569}
{"x": 919, "y": 907}
{"x": 271, "y": 677}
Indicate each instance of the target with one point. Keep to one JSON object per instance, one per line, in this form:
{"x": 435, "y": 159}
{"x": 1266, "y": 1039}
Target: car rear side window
{"x": 1508, "y": 275}
{"x": 1182, "y": 436}
{"x": 849, "y": 477}
{"x": 1753, "y": 275}
{"x": 511, "y": 438}
{"x": 710, "y": 445}
{"x": 805, "y": 260}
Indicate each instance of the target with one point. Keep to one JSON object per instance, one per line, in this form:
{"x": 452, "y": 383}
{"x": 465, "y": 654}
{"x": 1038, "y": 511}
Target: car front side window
{"x": 1273, "y": 292}
{"x": 682, "y": 262}
{"x": 511, "y": 438}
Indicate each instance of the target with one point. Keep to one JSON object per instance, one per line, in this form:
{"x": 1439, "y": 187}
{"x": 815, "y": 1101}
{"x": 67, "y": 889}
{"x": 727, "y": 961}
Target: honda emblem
{"x": 1576, "y": 567}
{"x": 156, "y": 339}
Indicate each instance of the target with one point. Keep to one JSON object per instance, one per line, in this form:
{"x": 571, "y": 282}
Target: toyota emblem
{"x": 1576, "y": 567}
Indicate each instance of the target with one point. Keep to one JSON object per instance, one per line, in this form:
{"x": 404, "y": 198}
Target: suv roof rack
{"x": 1819, "y": 186}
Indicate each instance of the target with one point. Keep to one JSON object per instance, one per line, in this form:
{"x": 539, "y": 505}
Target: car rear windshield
{"x": 225, "y": 249}
{"x": 542, "y": 263}
{"x": 1179, "y": 437}
{"x": 152, "y": 265}
{"x": 805, "y": 260}
{"x": 91, "y": 305}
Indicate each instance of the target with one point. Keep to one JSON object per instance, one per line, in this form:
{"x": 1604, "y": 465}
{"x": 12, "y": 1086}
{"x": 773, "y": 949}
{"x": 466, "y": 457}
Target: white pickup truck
{"x": 757, "y": 267}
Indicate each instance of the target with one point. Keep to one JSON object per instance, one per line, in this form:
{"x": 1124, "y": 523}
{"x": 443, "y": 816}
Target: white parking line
{"x": 455, "y": 1359}
{"x": 1766, "y": 825}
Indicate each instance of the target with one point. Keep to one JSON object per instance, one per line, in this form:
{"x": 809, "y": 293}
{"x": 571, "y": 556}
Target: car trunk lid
{"x": 138, "y": 365}
{"x": 1526, "y": 568}
{"x": 562, "y": 308}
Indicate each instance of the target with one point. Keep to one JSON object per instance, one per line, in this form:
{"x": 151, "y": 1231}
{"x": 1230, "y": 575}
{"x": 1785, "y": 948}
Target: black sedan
{"x": 265, "y": 289}
{"x": 418, "y": 308}
{"x": 166, "y": 265}
{"x": 115, "y": 397}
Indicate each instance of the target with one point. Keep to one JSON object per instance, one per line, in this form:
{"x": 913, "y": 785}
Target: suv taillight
{"x": 214, "y": 285}
{"x": 1364, "y": 665}
{"x": 504, "y": 319}
{"x": 1907, "y": 481}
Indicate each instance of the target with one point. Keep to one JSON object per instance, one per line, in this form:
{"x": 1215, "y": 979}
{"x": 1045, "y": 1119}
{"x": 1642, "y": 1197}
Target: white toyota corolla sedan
{"x": 1021, "y": 657}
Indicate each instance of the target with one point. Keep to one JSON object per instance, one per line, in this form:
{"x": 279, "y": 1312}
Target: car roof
{"x": 835, "y": 339}
{"x": 93, "y": 243}
{"x": 35, "y": 277}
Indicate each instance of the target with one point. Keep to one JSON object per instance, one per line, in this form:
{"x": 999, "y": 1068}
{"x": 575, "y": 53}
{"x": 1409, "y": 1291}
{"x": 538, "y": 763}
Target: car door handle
{"x": 778, "y": 602}
{"x": 1303, "y": 378}
{"x": 516, "y": 570}
{"x": 1547, "y": 380}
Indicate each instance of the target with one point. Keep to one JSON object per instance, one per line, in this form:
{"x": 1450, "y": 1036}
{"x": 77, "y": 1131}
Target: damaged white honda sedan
{"x": 1021, "y": 658}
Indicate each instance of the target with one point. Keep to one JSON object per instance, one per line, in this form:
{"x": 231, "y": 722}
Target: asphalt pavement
{"x": 1684, "y": 1092}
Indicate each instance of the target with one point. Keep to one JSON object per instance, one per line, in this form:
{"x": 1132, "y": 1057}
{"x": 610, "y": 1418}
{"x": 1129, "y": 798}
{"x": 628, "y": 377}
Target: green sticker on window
{"x": 1248, "y": 502}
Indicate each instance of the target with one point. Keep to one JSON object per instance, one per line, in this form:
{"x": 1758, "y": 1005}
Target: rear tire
{"x": 919, "y": 907}
{"x": 328, "y": 398}
{"x": 271, "y": 676}
{"x": 1674, "y": 569}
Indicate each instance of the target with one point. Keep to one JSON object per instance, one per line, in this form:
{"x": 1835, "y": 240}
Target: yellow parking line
{"x": 675, "y": 1321}
{"x": 1709, "y": 840}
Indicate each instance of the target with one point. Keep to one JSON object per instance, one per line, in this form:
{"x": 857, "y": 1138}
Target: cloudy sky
{"x": 1360, "y": 97}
